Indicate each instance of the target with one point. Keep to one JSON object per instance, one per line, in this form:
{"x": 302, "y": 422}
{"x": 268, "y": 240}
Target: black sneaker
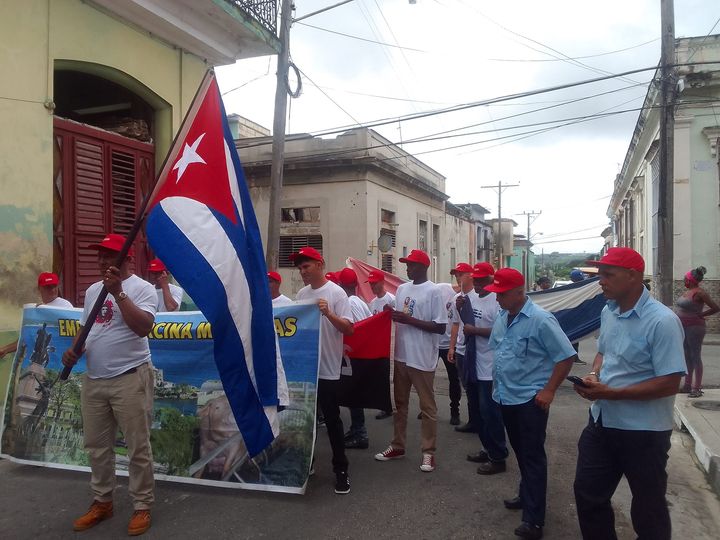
{"x": 455, "y": 420}
{"x": 479, "y": 457}
{"x": 526, "y": 530}
{"x": 342, "y": 483}
{"x": 382, "y": 415}
{"x": 492, "y": 467}
{"x": 357, "y": 442}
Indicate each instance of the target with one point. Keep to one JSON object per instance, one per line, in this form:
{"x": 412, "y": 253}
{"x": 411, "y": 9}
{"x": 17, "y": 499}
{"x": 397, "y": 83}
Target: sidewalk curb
{"x": 685, "y": 416}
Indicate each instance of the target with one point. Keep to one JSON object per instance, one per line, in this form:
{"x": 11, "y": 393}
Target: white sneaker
{"x": 428, "y": 463}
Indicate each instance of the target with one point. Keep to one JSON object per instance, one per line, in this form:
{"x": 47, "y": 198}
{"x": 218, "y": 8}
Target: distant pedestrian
{"x": 632, "y": 385}
{"x": 491, "y": 430}
{"x": 357, "y": 436}
{"x": 690, "y": 308}
{"x": 274, "y": 282}
{"x": 419, "y": 321}
{"x": 376, "y": 279}
{"x": 336, "y": 322}
{"x": 544, "y": 283}
{"x": 454, "y": 358}
{"x": 532, "y": 357}
{"x": 169, "y": 295}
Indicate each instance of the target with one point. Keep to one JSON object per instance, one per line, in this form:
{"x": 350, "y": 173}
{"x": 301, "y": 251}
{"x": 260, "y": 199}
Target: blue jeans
{"x": 490, "y": 423}
{"x": 526, "y": 424}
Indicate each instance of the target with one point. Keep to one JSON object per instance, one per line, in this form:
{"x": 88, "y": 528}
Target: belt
{"x": 131, "y": 370}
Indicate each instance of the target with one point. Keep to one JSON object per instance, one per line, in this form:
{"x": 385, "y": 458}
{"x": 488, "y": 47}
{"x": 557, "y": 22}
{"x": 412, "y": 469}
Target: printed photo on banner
{"x": 194, "y": 434}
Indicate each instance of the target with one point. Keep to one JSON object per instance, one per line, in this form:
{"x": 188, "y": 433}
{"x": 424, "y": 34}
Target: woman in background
{"x": 690, "y": 308}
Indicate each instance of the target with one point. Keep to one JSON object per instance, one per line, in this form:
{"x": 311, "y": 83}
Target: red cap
{"x": 156, "y": 265}
{"x": 506, "y": 279}
{"x": 417, "y": 256}
{"x": 275, "y": 276}
{"x": 375, "y": 276}
{"x": 623, "y": 257}
{"x": 46, "y": 279}
{"x": 483, "y": 269}
{"x": 347, "y": 277}
{"x": 332, "y": 276}
{"x": 461, "y": 268}
{"x": 310, "y": 253}
{"x": 112, "y": 242}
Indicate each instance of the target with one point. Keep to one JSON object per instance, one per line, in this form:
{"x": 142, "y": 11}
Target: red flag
{"x": 362, "y": 269}
{"x": 371, "y": 337}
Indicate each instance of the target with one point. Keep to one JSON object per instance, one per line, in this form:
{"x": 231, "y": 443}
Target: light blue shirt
{"x": 643, "y": 343}
{"x": 525, "y": 353}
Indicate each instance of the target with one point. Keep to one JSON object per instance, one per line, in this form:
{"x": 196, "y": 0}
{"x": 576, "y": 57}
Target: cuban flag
{"x": 202, "y": 225}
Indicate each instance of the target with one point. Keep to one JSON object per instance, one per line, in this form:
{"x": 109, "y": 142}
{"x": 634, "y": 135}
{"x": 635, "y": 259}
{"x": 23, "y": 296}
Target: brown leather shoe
{"x": 139, "y": 522}
{"x": 98, "y": 511}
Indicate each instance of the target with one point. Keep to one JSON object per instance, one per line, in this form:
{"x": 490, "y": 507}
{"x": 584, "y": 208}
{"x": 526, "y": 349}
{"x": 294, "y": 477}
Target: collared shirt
{"x": 525, "y": 353}
{"x": 643, "y": 343}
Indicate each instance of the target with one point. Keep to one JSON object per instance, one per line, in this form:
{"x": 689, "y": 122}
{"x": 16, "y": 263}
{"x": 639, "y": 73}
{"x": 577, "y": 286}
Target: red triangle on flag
{"x": 197, "y": 166}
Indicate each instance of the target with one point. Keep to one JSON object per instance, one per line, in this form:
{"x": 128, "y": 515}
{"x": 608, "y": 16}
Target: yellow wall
{"x": 35, "y": 36}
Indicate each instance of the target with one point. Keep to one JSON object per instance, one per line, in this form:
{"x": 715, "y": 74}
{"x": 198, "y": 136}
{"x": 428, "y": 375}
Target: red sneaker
{"x": 390, "y": 453}
{"x": 428, "y": 463}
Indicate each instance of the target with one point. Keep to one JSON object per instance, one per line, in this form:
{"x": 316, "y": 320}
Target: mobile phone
{"x": 577, "y": 380}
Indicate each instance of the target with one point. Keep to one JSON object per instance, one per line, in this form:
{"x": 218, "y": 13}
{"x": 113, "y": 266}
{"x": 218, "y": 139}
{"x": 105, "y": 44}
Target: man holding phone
{"x": 169, "y": 295}
{"x": 633, "y": 382}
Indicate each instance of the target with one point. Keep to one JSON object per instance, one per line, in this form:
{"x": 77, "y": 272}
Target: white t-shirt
{"x": 331, "y": 340}
{"x": 415, "y": 347}
{"x": 176, "y": 293}
{"x": 486, "y": 310}
{"x": 111, "y": 347}
{"x": 358, "y": 308}
{"x": 281, "y": 300}
{"x": 455, "y": 314}
{"x": 58, "y": 302}
{"x": 377, "y": 304}
{"x": 447, "y": 293}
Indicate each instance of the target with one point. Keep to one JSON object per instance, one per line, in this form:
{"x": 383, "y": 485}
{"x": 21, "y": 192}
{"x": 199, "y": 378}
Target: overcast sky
{"x": 463, "y": 51}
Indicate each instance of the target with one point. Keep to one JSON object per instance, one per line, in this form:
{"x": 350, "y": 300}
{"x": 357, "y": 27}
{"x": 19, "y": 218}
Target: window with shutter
{"x": 291, "y": 244}
{"x": 100, "y": 178}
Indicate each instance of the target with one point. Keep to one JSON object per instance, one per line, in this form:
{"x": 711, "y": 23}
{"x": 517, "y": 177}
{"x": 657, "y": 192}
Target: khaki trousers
{"x": 403, "y": 378}
{"x": 125, "y": 401}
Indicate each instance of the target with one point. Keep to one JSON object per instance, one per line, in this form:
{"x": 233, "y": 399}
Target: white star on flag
{"x": 188, "y": 157}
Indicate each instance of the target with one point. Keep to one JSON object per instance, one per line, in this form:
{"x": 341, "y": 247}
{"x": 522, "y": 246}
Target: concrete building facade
{"x": 696, "y": 183}
{"x": 358, "y": 195}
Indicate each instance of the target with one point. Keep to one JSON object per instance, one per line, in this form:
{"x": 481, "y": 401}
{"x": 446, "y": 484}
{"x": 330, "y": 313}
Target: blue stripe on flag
{"x": 198, "y": 278}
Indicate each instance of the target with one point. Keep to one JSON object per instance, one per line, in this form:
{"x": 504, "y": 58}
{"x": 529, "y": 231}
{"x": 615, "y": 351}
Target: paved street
{"x": 388, "y": 500}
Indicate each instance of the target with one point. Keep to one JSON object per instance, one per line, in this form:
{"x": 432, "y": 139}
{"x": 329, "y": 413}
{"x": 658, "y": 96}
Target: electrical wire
{"x": 574, "y": 57}
{"x": 360, "y": 38}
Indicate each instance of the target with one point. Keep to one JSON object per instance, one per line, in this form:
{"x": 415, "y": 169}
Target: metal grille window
{"x": 291, "y": 244}
{"x": 386, "y": 263}
{"x": 422, "y": 235}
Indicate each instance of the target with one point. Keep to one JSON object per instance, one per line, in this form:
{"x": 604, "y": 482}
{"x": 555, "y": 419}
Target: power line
{"x": 569, "y": 240}
{"x": 360, "y": 38}
{"x": 331, "y": 99}
{"x": 574, "y": 57}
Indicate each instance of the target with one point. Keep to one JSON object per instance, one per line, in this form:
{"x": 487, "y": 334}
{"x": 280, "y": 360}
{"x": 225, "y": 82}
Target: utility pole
{"x": 278, "y": 145}
{"x": 498, "y": 241}
{"x": 531, "y": 215}
{"x": 664, "y": 264}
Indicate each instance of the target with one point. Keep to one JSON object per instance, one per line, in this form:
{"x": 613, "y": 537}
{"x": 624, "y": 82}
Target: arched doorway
{"x": 103, "y": 165}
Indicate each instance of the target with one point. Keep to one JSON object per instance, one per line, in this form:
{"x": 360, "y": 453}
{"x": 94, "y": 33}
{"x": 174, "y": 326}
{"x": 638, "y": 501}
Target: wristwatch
{"x": 122, "y": 296}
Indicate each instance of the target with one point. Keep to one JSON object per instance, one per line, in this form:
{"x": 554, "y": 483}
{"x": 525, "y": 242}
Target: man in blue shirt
{"x": 633, "y": 382}
{"x": 532, "y": 356}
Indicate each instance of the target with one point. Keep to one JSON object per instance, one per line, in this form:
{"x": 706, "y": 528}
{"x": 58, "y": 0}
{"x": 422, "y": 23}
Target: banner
{"x": 194, "y": 435}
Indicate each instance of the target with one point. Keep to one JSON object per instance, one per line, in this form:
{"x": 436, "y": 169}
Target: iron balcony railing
{"x": 263, "y": 11}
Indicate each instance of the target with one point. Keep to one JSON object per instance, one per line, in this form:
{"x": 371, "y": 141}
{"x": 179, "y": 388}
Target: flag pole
{"x": 135, "y": 229}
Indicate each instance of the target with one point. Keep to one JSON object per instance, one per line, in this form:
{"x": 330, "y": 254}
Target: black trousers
{"x": 525, "y": 425}
{"x": 327, "y": 400}
{"x": 604, "y": 456}
{"x": 454, "y": 380}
